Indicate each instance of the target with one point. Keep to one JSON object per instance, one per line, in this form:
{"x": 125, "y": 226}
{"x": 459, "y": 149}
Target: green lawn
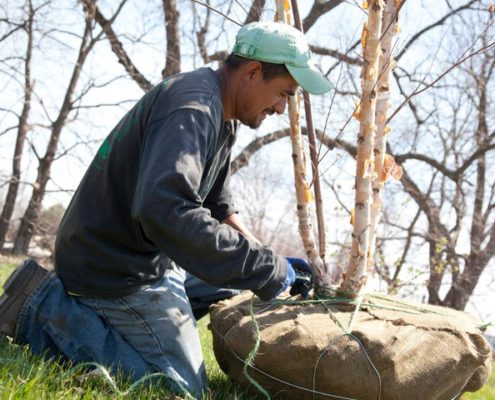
{"x": 27, "y": 377}
{"x": 486, "y": 393}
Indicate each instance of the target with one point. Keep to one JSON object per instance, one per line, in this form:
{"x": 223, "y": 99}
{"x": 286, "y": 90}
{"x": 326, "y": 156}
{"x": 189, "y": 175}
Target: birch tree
{"x": 357, "y": 270}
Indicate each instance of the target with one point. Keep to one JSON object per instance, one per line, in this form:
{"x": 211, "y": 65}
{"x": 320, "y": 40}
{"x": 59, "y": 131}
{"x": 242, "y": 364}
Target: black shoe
{"x": 17, "y": 288}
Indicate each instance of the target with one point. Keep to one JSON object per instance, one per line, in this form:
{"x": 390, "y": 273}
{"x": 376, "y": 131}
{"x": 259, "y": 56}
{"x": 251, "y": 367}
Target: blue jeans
{"x": 152, "y": 330}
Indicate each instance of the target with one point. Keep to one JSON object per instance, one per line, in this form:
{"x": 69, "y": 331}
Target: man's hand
{"x": 304, "y": 277}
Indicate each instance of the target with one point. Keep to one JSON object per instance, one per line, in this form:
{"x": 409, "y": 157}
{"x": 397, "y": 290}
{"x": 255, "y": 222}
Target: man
{"x": 154, "y": 203}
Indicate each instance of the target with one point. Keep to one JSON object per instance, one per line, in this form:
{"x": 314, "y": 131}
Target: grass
{"x": 487, "y": 392}
{"x": 24, "y": 376}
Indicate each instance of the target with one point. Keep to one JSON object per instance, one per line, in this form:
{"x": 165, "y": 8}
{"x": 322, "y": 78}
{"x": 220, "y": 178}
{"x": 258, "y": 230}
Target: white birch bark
{"x": 303, "y": 192}
{"x": 384, "y": 164}
{"x": 356, "y": 275}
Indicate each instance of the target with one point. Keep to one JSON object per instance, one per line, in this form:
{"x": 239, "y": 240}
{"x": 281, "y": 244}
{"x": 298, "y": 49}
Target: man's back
{"x": 101, "y": 249}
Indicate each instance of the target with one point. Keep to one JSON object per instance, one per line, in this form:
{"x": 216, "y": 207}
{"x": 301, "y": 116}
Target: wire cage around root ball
{"x": 372, "y": 348}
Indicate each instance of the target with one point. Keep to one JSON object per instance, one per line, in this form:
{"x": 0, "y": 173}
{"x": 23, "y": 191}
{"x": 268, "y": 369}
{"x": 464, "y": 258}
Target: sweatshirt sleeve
{"x": 171, "y": 213}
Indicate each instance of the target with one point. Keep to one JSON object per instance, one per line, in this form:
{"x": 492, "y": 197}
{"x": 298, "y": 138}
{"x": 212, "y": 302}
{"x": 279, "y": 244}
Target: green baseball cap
{"x": 279, "y": 43}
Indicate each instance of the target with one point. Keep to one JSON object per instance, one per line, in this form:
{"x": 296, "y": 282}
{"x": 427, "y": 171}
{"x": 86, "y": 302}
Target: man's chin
{"x": 253, "y": 124}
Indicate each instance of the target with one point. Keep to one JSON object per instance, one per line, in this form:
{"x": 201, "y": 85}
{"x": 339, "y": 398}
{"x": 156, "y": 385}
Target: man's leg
{"x": 201, "y": 294}
{"x": 17, "y": 288}
{"x": 159, "y": 323}
{"x": 54, "y": 323}
{"x": 150, "y": 331}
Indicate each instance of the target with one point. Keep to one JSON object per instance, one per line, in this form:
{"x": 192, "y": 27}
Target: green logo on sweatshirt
{"x": 104, "y": 149}
{"x": 127, "y": 124}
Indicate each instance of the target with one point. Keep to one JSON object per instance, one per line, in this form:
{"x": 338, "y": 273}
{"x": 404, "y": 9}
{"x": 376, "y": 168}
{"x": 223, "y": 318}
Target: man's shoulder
{"x": 196, "y": 90}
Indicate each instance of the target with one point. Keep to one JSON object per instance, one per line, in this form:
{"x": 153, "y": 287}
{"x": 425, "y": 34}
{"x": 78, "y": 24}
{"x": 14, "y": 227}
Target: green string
{"x": 406, "y": 305}
{"x": 249, "y": 359}
{"x": 484, "y": 327}
{"x": 337, "y": 300}
{"x": 328, "y": 299}
{"x": 106, "y": 375}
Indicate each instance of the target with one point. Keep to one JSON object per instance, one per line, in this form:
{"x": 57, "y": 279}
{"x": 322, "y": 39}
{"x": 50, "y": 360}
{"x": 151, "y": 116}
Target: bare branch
{"x": 255, "y": 11}
{"x": 117, "y": 46}
{"x": 441, "y": 76}
{"x": 217, "y": 11}
{"x": 336, "y": 54}
{"x": 172, "y": 63}
{"x": 317, "y": 10}
{"x": 435, "y": 24}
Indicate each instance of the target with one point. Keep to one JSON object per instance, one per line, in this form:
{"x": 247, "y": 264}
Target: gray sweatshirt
{"x": 156, "y": 192}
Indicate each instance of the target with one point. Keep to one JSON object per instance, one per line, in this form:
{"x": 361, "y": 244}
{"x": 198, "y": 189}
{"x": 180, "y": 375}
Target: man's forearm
{"x": 235, "y": 222}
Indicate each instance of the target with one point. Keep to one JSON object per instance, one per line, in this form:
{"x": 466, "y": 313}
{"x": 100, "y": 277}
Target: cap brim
{"x": 310, "y": 79}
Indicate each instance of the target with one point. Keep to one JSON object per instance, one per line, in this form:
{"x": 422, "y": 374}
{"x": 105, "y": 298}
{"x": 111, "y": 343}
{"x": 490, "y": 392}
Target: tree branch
{"x": 317, "y": 10}
{"x": 441, "y": 21}
{"x": 117, "y": 47}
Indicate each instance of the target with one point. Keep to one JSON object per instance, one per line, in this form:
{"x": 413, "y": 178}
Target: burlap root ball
{"x": 394, "y": 351}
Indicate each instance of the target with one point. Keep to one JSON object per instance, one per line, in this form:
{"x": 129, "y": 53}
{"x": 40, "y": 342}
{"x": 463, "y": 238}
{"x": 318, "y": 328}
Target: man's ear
{"x": 252, "y": 72}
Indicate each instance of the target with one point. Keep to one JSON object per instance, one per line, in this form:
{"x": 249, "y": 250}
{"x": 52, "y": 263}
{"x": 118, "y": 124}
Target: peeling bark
{"x": 382, "y": 171}
{"x": 303, "y": 193}
{"x": 356, "y": 276}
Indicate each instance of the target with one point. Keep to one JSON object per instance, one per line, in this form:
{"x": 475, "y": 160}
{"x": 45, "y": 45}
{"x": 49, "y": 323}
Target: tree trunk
{"x": 303, "y": 192}
{"x": 255, "y": 11}
{"x": 30, "y": 218}
{"x": 308, "y": 110}
{"x": 172, "y": 63}
{"x": 384, "y": 165}
{"x": 22, "y": 130}
{"x": 356, "y": 276}
{"x": 465, "y": 282}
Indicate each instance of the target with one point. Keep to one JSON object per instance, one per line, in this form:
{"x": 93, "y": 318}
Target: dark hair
{"x": 269, "y": 70}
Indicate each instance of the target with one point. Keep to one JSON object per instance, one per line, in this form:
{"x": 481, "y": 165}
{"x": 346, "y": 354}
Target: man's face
{"x": 260, "y": 98}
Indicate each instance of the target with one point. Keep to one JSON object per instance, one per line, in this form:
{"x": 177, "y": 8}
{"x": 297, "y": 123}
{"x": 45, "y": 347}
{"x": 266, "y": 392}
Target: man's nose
{"x": 280, "y": 105}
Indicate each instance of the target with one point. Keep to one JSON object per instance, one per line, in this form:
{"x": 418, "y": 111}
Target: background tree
{"x": 446, "y": 172}
{"x": 22, "y": 124}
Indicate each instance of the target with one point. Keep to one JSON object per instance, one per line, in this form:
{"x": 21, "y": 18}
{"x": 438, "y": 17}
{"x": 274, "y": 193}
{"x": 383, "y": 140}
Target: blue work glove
{"x": 303, "y": 276}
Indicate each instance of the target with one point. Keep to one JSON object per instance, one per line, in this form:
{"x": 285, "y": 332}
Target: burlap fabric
{"x": 416, "y": 353}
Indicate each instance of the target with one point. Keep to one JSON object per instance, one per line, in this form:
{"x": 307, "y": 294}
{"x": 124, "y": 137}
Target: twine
{"x": 249, "y": 359}
{"x": 107, "y": 376}
{"x": 111, "y": 381}
{"x": 347, "y": 332}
